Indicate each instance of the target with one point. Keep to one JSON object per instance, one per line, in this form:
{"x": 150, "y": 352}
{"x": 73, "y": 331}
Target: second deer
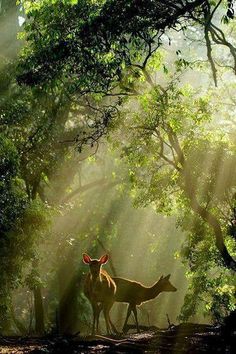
{"x": 135, "y": 293}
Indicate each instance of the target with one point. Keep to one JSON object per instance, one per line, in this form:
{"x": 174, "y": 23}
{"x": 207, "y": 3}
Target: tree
{"x": 91, "y": 52}
{"x": 180, "y": 163}
{"x": 104, "y": 51}
{"x": 101, "y": 42}
{"x": 19, "y": 224}
{"x": 27, "y": 124}
{"x": 167, "y": 145}
{"x": 36, "y": 126}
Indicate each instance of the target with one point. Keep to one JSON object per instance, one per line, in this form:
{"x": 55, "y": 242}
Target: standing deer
{"x": 100, "y": 290}
{"x": 135, "y": 293}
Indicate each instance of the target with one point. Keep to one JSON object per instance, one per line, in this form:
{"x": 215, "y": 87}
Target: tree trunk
{"x": 210, "y": 219}
{"x": 190, "y": 192}
{"x": 67, "y": 294}
{"x": 68, "y": 306}
{"x": 39, "y": 311}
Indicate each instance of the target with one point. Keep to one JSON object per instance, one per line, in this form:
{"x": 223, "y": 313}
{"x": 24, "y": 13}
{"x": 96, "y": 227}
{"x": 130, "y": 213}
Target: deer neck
{"x": 153, "y": 291}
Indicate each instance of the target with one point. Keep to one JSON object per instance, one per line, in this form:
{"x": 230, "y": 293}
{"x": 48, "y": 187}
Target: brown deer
{"x": 100, "y": 290}
{"x": 135, "y": 293}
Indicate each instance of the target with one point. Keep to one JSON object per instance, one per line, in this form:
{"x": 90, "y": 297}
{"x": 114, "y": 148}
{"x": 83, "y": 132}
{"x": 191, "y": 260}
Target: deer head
{"x": 95, "y": 264}
{"x": 165, "y": 283}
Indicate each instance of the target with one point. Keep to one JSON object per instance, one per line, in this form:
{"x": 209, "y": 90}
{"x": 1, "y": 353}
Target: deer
{"x": 100, "y": 289}
{"x": 135, "y": 293}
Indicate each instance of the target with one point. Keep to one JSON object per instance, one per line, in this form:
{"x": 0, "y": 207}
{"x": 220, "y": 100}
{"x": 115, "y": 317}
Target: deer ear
{"x": 161, "y": 277}
{"x": 104, "y": 259}
{"x": 86, "y": 258}
{"x": 167, "y": 277}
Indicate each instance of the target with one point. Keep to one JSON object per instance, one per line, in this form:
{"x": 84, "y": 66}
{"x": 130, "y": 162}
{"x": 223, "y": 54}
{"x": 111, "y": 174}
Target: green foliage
{"x": 13, "y": 203}
{"x": 26, "y": 165}
{"x": 174, "y": 110}
{"x": 211, "y": 287}
{"x": 33, "y": 279}
{"x": 172, "y": 136}
{"x": 90, "y": 44}
{"x": 212, "y": 294}
{"x": 13, "y": 200}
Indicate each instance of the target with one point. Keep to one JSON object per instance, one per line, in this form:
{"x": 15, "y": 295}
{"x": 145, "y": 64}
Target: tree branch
{"x": 82, "y": 189}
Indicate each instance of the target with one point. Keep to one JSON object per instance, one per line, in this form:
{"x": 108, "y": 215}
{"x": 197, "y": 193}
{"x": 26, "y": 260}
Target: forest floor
{"x": 184, "y": 338}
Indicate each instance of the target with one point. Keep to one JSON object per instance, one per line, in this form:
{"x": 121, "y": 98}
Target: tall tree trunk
{"x": 39, "y": 310}
{"x": 38, "y": 304}
{"x": 68, "y": 305}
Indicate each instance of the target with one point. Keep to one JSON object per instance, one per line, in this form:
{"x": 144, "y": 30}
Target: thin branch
{"x": 209, "y": 55}
{"x": 164, "y": 157}
{"x": 213, "y": 12}
{"x": 82, "y": 189}
{"x": 219, "y": 38}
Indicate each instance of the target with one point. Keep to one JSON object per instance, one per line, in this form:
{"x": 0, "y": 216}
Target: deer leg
{"x": 106, "y": 310}
{"x": 134, "y": 309}
{"x": 96, "y": 312}
{"x": 112, "y": 324}
{"x": 99, "y": 309}
{"x": 94, "y": 318}
{"x": 126, "y": 320}
{"x": 114, "y": 329}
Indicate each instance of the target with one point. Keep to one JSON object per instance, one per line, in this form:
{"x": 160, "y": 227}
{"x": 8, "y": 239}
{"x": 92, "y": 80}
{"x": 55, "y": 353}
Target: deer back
{"x": 129, "y": 291}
